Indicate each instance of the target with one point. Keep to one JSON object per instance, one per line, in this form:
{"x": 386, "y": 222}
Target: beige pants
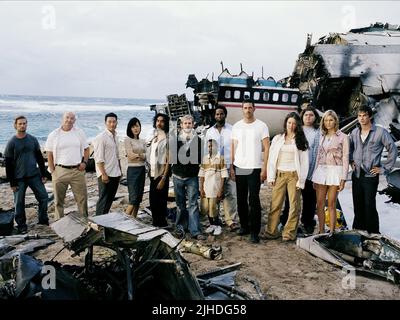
{"x": 229, "y": 202}
{"x": 284, "y": 180}
{"x": 208, "y": 207}
{"x": 61, "y": 178}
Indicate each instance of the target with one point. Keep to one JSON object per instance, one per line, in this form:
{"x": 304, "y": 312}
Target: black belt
{"x": 68, "y": 167}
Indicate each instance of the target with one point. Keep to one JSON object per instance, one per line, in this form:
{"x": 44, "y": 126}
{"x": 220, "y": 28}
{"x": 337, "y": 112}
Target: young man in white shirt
{"x": 68, "y": 153}
{"x": 221, "y": 132}
{"x": 250, "y": 137}
{"x": 108, "y": 167}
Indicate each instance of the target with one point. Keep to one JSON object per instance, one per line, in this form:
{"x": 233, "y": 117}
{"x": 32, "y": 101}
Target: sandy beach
{"x": 283, "y": 270}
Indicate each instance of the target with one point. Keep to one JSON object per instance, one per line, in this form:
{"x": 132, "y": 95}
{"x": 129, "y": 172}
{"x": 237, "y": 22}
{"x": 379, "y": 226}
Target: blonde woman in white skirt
{"x": 331, "y": 168}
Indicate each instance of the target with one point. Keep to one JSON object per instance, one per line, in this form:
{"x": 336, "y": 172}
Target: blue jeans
{"x": 37, "y": 186}
{"x": 187, "y": 218}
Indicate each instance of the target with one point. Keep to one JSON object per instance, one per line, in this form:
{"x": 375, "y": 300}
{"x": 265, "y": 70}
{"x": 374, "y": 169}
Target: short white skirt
{"x": 328, "y": 175}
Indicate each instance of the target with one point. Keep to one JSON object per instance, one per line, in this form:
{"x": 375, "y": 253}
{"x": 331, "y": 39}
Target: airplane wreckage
{"x": 146, "y": 264}
{"x": 340, "y": 72}
{"x": 357, "y": 250}
{"x": 343, "y": 71}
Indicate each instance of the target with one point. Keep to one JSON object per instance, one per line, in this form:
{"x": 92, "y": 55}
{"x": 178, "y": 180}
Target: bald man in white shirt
{"x": 68, "y": 152}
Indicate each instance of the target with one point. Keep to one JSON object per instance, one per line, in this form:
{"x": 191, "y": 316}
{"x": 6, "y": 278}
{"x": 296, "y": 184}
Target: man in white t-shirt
{"x": 250, "y": 138}
{"x": 68, "y": 153}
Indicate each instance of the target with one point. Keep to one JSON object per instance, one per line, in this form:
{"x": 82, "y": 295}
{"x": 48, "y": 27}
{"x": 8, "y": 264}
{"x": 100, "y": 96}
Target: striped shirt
{"x": 213, "y": 169}
{"x": 312, "y": 136}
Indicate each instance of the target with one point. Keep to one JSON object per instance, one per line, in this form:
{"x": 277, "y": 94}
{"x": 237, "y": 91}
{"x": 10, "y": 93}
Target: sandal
{"x": 265, "y": 236}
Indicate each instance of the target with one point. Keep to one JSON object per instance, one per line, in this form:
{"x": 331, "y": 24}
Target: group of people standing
{"x": 316, "y": 160}
{"x": 228, "y": 165}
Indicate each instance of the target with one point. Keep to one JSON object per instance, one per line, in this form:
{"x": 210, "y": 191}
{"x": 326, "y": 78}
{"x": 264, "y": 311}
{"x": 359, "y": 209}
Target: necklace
{"x": 288, "y": 140}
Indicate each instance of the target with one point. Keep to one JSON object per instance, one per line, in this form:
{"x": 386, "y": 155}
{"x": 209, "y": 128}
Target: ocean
{"x": 44, "y": 114}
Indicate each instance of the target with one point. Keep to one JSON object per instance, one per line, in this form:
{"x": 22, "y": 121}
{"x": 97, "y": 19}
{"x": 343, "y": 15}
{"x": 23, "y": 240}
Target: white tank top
{"x": 286, "y": 158}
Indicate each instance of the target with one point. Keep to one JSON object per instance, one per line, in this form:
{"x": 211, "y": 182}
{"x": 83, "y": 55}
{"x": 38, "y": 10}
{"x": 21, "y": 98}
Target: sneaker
{"x": 217, "y": 231}
{"x": 309, "y": 229}
{"x": 45, "y": 223}
{"x": 179, "y": 232}
{"x": 200, "y": 237}
{"x": 266, "y": 236}
{"x": 211, "y": 228}
{"x": 171, "y": 214}
{"x": 288, "y": 240}
{"x": 301, "y": 229}
{"x": 233, "y": 227}
{"x": 254, "y": 238}
{"x": 22, "y": 230}
{"x": 243, "y": 232}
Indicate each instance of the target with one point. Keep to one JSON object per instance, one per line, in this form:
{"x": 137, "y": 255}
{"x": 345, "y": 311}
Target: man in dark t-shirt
{"x": 22, "y": 156}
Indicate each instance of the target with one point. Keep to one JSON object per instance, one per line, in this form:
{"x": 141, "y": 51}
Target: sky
{"x": 135, "y": 49}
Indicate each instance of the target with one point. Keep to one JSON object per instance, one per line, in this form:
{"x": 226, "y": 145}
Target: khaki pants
{"x": 230, "y": 202}
{"x": 284, "y": 180}
{"x": 208, "y": 207}
{"x": 61, "y": 178}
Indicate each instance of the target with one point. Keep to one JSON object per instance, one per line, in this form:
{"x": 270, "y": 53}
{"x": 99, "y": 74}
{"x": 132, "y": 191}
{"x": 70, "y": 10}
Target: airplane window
{"x": 266, "y": 96}
{"x": 227, "y": 94}
{"x": 256, "y": 95}
{"x": 236, "y": 94}
{"x": 294, "y": 98}
{"x": 275, "y": 96}
{"x": 285, "y": 97}
{"x": 246, "y": 95}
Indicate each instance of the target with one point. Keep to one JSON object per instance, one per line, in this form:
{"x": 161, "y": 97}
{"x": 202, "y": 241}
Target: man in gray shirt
{"x": 22, "y": 155}
{"x": 366, "y": 147}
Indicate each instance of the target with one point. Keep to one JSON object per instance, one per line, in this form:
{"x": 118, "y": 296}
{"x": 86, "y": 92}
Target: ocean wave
{"x": 35, "y": 106}
{"x": 44, "y": 115}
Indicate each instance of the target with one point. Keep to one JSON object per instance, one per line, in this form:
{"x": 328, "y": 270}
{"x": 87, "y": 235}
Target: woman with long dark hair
{"x": 158, "y": 160}
{"x": 287, "y": 170}
{"x": 135, "y": 149}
